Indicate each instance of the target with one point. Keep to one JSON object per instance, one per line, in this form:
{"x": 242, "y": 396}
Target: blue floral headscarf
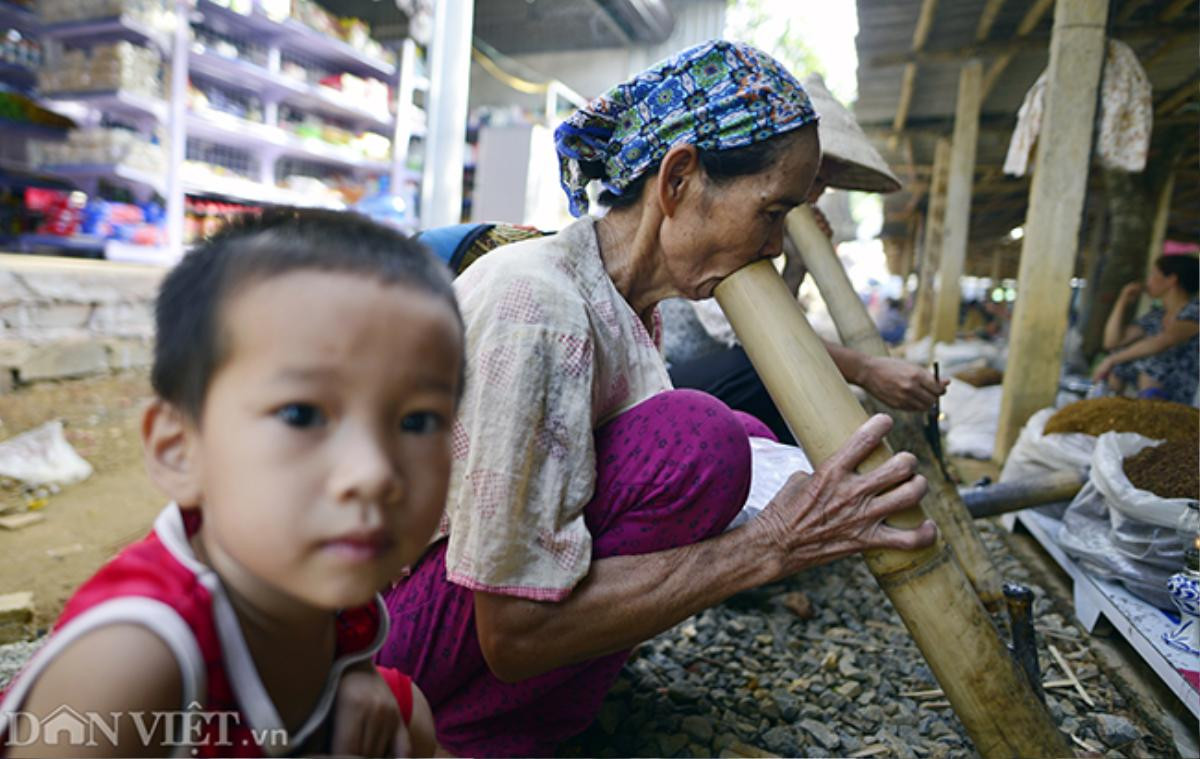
{"x": 717, "y": 95}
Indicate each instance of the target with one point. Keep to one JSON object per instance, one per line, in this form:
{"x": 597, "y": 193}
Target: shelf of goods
{"x": 1141, "y": 624}
{"x": 271, "y": 111}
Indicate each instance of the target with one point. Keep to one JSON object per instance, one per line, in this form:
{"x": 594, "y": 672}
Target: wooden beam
{"x": 958, "y": 202}
{"x": 1177, "y": 96}
{"x": 1166, "y": 46}
{"x": 1130, "y": 8}
{"x": 1017, "y": 45}
{"x": 924, "y": 23}
{"x": 1028, "y": 23}
{"x": 1175, "y": 9}
{"x": 988, "y": 17}
{"x": 1048, "y": 250}
{"x": 909, "y": 81}
{"x": 1158, "y": 232}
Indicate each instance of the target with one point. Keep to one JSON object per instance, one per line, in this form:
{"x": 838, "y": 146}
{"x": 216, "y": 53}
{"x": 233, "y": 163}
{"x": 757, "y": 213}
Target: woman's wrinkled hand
{"x": 835, "y": 511}
{"x": 901, "y": 385}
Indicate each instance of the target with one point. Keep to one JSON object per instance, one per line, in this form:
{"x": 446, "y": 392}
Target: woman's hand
{"x": 1131, "y": 291}
{"x": 900, "y": 384}
{"x": 836, "y": 512}
{"x": 366, "y": 719}
{"x": 1103, "y": 369}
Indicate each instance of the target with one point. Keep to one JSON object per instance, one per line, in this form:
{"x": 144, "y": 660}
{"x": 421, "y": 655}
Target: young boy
{"x": 307, "y": 369}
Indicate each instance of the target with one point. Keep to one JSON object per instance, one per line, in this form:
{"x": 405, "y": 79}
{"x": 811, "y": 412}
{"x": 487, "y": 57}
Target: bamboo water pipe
{"x": 857, "y": 331}
{"x": 946, "y": 619}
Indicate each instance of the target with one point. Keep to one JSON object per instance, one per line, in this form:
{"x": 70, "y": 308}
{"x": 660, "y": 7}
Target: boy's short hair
{"x": 189, "y": 348}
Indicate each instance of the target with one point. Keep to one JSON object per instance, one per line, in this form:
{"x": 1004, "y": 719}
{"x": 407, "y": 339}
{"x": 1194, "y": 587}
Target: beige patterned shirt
{"x": 553, "y": 352}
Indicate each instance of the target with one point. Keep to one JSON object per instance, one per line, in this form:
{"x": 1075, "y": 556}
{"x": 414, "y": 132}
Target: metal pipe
{"x": 990, "y": 500}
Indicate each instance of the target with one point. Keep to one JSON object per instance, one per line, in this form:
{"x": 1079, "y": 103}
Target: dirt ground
{"x": 89, "y": 522}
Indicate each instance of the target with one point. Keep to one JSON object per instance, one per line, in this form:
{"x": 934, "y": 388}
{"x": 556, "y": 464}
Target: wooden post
{"x": 1051, "y": 239}
{"x": 931, "y": 252}
{"x": 958, "y": 202}
{"x": 858, "y": 332}
{"x": 989, "y": 692}
{"x": 1158, "y": 232}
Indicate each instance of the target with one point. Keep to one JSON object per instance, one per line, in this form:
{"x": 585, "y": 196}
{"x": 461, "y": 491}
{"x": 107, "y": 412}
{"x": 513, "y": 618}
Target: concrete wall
{"x": 62, "y": 317}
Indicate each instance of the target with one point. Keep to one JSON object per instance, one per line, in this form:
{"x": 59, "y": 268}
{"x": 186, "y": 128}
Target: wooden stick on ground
{"x": 1070, "y": 673}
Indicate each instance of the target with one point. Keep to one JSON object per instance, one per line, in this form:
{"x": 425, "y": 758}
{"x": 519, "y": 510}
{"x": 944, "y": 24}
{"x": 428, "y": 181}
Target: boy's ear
{"x": 169, "y": 448}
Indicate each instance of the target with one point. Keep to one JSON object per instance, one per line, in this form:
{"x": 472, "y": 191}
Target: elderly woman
{"x": 1159, "y": 354}
{"x": 589, "y": 500}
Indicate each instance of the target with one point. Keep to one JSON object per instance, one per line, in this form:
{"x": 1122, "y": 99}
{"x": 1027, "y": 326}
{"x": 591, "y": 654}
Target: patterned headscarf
{"x": 717, "y": 95}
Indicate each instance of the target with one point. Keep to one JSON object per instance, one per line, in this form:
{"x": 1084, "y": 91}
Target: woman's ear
{"x": 169, "y": 448}
{"x": 678, "y": 174}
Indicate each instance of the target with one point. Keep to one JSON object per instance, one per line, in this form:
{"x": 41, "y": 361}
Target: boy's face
{"x": 323, "y": 452}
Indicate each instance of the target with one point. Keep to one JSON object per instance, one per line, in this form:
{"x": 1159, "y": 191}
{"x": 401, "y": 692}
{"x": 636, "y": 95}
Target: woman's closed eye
{"x": 300, "y": 415}
{"x": 423, "y": 422}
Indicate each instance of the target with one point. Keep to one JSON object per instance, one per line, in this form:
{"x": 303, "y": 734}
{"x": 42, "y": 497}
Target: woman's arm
{"x": 625, "y": 600}
{"x": 1172, "y": 335}
{"x": 1114, "y": 335}
{"x": 123, "y": 670}
{"x": 897, "y": 383}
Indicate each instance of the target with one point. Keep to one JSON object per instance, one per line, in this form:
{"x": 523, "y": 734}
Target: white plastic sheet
{"x": 771, "y": 464}
{"x": 972, "y": 416}
{"x": 42, "y": 456}
{"x": 1036, "y": 453}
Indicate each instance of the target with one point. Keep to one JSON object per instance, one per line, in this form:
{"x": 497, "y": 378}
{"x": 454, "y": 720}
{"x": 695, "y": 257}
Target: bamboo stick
{"x": 932, "y": 595}
{"x": 857, "y": 331}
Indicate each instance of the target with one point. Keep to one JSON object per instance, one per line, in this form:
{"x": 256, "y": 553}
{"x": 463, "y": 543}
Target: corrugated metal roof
{"x": 886, "y": 30}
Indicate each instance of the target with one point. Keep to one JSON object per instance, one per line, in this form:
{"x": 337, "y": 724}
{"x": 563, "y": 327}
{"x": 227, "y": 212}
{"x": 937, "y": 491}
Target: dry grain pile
{"x": 981, "y": 376}
{"x": 1158, "y": 420}
{"x": 1169, "y": 470}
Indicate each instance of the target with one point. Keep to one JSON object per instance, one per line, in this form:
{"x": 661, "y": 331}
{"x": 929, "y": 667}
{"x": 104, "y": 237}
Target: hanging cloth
{"x": 1126, "y": 116}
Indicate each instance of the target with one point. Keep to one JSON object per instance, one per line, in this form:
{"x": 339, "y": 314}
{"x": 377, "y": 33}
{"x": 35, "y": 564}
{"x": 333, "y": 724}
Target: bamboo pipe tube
{"x": 854, "y": 324}
{"x": 988, "y": 691}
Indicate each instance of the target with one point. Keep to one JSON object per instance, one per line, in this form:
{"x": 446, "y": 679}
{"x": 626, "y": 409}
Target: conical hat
{"x": 849, "y": 160}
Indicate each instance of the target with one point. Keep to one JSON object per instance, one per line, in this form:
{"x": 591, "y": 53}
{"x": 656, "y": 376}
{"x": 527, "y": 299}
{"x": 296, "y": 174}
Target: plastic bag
{"x": 1035, "y": 453}
{"x": 1120, "y": 533}
{"x": 771, "y": 464}
{"x": 972, "y": 416}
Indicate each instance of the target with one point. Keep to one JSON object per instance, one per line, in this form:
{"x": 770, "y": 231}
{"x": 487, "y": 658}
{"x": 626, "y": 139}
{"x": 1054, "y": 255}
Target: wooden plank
{"x": 1028, "y": 23}
{"x": 1056, "y": 193}
{"x": 986, "y": 18}
{"x": 1158, "y": 233}
{"x": 20, "y": 521}
{"x": 958, "y": 202}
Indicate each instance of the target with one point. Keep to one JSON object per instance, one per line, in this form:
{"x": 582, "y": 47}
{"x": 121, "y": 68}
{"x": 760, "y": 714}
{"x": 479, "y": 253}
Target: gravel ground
{"x": 821, "y": 665}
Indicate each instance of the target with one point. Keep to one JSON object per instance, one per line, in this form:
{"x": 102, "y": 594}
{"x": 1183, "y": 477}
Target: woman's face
{"x": 1158, "y": 283}
{"x": 728, "y": 225}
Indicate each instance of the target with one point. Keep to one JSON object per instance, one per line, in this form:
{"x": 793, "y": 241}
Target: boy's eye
{"x": 422, "y": 422}
{"x": 300, "y": 415}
